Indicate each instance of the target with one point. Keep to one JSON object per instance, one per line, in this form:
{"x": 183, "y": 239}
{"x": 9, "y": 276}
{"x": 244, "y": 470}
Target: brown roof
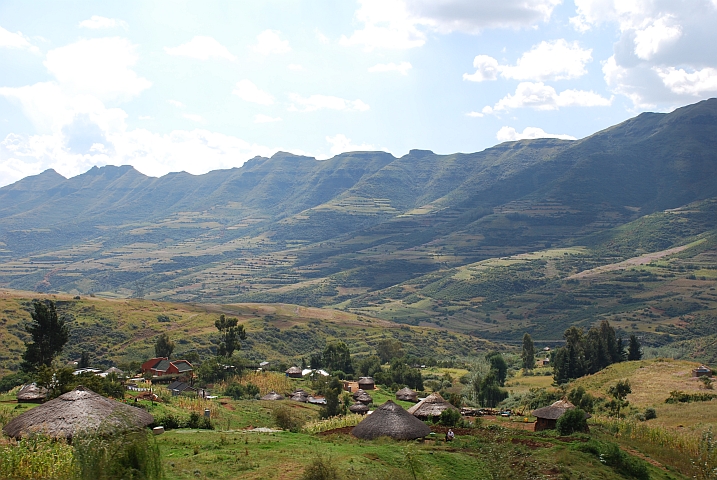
{"x": 364, "y": 398}
{"x": 31, "y": 393}
{"x": 293, "y": 370}
{"x": 272, "y": 396}
{"x": 366, "y": 381}
{"x": 80, "y": 410}
{"x": 407, "y": 394}
{"x": 391, "y": 420}
{"x": 358, "y": 408}
{"x": 554, "y": 411}
{"x": 431, "y": 406}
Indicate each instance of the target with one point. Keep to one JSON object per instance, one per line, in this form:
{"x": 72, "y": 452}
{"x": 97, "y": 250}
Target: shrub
{"x": 650, "y": 413}
{"x": 611, "y": 455}
{"x": 449, "y": 417}
{"x": 572, "y": 421}
{"x": 238, "y": 391}
{"x": 321, "y": 468}
{"x": 8, "y": 382}
{"x": 285, "y": 420}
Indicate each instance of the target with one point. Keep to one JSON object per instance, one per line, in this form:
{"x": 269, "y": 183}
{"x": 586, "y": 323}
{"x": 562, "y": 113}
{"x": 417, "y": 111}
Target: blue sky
{"x": 198, "y": 86}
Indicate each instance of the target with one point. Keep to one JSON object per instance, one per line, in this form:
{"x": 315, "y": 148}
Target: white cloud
{"x": 401, "y": 68}
{"x": 295, "y": 67}
{"x": 96, "y": 22}
{"x": 16, "y": 40}
{"x": 544, "y": 97}
{"x": 176, "y": 103}
{"x": 194, "y": 117}
{"x": 269, "y": 41}
{"x": 655, "y": 37}
{"x": 324, "y": 39}
{"x": 341, "y": 144}
{"x": 509, "y": 134}
{"x": 696, "y": 83}
{"x": 321, "y": 102}
{"x": 249, "y": 92}
{"x": 474, "y": 114}
{"x": 401, "y": 24}
{"x": 201, "y": 48}
{"x": 100, "y": 67}
{"x": 552, "y": 60}
{"x": 487, "y": 69}
{"x": 261, "y": 118}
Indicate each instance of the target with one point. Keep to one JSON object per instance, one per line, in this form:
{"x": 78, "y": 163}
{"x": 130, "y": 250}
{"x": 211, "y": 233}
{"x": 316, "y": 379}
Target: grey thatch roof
{"x": 294, "y": 371}
{"x": 359, "y": 408}
{"x": 407, "y": 395}
{"x": 366, "y": 381}
{"x": 31, "y": 393}
{"x": 554, "y": 411}
{"x": 300, "y": 397}
{"x": 391, "y": 420}
{"x": 358, "y": 392}
{"x": 364, "y": 398}
{"x": 272, "y": 396}
{"x": 114, "y": 370}
{"x": 431, "y": 406}
{"x": 80, "y": 410}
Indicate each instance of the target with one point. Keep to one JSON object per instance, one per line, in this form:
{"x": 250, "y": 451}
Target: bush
{"x": 321, "y": 468}
{"x": 650, "y": 413}
{"x": 611, "y": 455}
{"x": 285, "y": 420}
{"x": 572, "y": 421}
{"x": 449, "y": 417}
{"x": 8, "y": 382}
{"x": 238, "y": 391}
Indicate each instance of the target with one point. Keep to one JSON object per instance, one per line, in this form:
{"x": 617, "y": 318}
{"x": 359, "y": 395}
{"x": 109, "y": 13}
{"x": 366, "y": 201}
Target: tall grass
{"x": 266, "y": 381}
{"x": 132, "y": 455}
{"x": 318, "y": 426}
{"x": 36, "y": 457}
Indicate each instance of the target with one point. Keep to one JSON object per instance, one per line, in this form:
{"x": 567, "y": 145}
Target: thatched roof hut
{"x": 391, "y": 420}
{"x": 431, "y": 406}
{"x": 407, "y": 395}
{"x": 359, "y": 408}
{"x": 366, "y": 383}
{"x": 357, "y": 393}
{"x": 31, "y": 393}
{"x": 300, "y": 397}
{"x": 364, "y": 398}
{"x": 293, "y": 372}
{"x": 272, "y": 396}
{"x": 80, "y": 410}
{"x": 547, "y": 417}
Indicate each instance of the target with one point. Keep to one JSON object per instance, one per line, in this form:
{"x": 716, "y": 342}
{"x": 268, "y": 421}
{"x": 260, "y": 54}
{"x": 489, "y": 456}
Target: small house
{"x": 407, "y": 395}
{"x": 293, "y": 372}
{"x": 547, "y": 417}
{"x": 359, "y": 408}
{"x": 390, "y": 420}
{"x": 431, "y": 406}
{"x": 702, "y": 371}
{"x": 273, "y": 396}
{"x": 161, "y": 366}
{"x": 366, "y": 383}
{"x": 31, "y": 393}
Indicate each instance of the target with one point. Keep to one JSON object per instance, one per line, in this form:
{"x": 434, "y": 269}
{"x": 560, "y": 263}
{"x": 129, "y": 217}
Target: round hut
{"x": 431, "y": 406}
{"x": 547, "y": 417}
{"x": 390, "y": 420}
{"x": 300, "y": 397}
{"x": 364, "y": 398}
{"x": 294, "y": 372}
{"x": 356, "y": 394}
{"x": 272, "y": 396}
{"x": 366, "y": 383}
{"x": 359, "y": 408}
{"x": 80, "y": 410}
{"x": 31, "y": 393}
{"x": 407, "y": 395}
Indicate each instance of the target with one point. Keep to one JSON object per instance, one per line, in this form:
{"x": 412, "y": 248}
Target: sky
{"x": 199, "y": 86}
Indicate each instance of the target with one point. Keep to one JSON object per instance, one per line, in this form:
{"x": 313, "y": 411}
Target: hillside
{"x": 491, "y": 243}
{"x": 123, "y": 331}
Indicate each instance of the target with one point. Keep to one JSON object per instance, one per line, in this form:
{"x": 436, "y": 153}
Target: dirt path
{"x": 630, "y": 262}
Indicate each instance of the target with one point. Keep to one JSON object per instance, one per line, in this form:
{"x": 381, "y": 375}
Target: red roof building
{"x": 162, "y": 366}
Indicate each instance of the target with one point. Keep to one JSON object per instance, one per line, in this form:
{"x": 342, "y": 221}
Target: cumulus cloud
{"x": 402, "y": 24}
{"x": 201, "y": 48}
{"x": 16, "y": 40}
{"x": 544, "y": 97}
{"x": 658, "y": 39}
{"x": 193, "y": 117}
{"x": 247, "y": 91}
{"x": 261, "y": 118}
{"x": 401, "y": 68}
{"x": 96, "y": 22}
{"x": 100, "y": 67}
{"x": 552, "y": 60}
{"x": 475, "y": 114}
{"x": 176, "y": 103}
{"x": 269, "y": 41}
{"x": 341, "y": 144}
{"x": 509, "y": 134}
{"x": 325, "y": 102}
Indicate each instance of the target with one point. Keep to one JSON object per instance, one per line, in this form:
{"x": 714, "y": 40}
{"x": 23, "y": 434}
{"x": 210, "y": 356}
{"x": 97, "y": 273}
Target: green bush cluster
{"x": 238, "y": 391}
{"x": 677, "y": 396}
{"x": 610, "y": 454}
{"x": 171, "y": 422}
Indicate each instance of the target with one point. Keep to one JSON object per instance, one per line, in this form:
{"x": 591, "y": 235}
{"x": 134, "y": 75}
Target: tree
{"x": 572, "y": 421}
{"x": 337, "y": 357}
{"x": 369, "y": 366}
{"x": 499, "y": 366}
{"x": 49, "y": 335}
{"x": 528, "y": 352}
{"x": 619, "y": 392}
{"x": 163, "y": 347}
{"x": 230, "y": 335}
{"x": 389, "y": 349}
{"x": 634, "y": 352}
{"x": 84, "y": 359}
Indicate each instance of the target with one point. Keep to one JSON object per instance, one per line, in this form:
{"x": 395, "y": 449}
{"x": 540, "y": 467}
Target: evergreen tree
{"x": 84, "y": 359}
{"x": 230, "y": 335}
{"x": 337, "y": 357}
{"x": 634, "y": 352}
{"x": 499, "y": 366}
{"x": 528, "y": 352}
{"x": 49, "y": 335}
{"x": 163, "y": 347}
{"x": 389, "y": 349}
